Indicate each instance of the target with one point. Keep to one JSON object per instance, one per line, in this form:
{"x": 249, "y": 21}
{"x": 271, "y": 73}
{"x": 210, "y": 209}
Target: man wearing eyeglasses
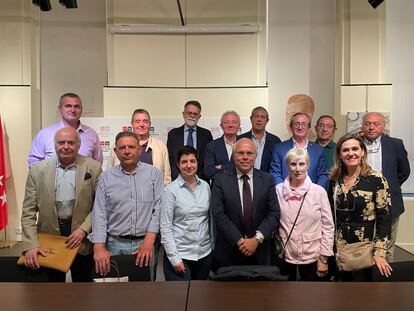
{"x": 300, "y": 125}
{"x": 388, "y": 156}
{"x": 189, "y": 134}
{"x": 218, "y": 156}
{"x": 70, "y": 109}
{"x": 325, "y": 129}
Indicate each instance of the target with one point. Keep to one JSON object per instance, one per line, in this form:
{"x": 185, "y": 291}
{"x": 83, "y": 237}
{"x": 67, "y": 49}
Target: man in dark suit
{"x": 388, "y": 156}
{"x": 300, "y": 125}
{"x": 246, "y": 211}
{"x": 188, "y": 134}
{"x": 218, "y": 156}
{"x": 263, "y": 140}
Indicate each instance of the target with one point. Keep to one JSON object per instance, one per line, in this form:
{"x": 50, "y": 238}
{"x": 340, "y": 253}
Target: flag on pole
{"x": 3, "y": 176}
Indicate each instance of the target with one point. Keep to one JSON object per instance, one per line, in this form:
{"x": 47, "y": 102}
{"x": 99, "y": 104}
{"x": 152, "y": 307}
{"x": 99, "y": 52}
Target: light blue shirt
{"x": 127, "y": 204}
{"x": 185, "y": 218}
{"x": 186, "y": 132}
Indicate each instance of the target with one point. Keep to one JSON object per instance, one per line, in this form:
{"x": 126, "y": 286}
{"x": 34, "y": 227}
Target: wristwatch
{"x": 323, "y": 260}
{"x": 259, "y": 237}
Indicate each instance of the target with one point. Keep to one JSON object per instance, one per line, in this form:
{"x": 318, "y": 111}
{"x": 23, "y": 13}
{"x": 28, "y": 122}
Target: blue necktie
{"x": 190, "y": 141}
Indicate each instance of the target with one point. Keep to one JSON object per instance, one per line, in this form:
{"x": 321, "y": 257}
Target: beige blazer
{"x": 40, "y": 198}
{"x": 160, "y": 158}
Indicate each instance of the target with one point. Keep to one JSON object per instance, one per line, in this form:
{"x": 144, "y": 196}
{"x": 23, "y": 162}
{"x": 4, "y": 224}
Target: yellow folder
{"x": 58, "y": 256}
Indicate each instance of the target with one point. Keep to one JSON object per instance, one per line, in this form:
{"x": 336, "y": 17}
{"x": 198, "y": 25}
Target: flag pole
{"x": 6, "y": 243}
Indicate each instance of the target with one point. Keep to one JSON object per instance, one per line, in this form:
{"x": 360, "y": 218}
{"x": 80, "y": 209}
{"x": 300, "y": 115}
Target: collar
{"x": 127, "y": 173}
{"x": 373, "y": 143}
{"x": 73, "y": 165}
{"x": 186, "y": 128}
{"x": 182, "y": 183}
{"x": 295, "y": 144}
{"x": 229, "y": 143}
{"x": 296, "y": 193}
{"x": 240, "y": 174}
{"x": 263, "y": 137}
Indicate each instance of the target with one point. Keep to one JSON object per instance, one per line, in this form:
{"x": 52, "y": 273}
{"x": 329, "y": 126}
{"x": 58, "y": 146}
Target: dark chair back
{"x": 402, "y": 271}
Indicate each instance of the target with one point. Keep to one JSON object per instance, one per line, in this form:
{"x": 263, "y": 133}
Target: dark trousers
{"x": 356, "y": 276}
{"x": 306, "y": 272}
{"x": 81, "y": 269}
{"x": 194, "y": 270}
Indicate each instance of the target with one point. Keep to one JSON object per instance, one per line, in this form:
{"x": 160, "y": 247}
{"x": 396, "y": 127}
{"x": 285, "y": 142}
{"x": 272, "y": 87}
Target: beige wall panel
{"x": 380, "y": 98}
{"x": 353, "y": 99}
{"x": 222, "y": 60}
{"x": 364, "y": 43}
{"x": 149, "y": 60}
{"x": 16, "y": 116}
{"x": 119, "y": 102}
{"x": 222, "y": 12}
{"x": 146, "y": 12}
{"x": 11, "y": 43}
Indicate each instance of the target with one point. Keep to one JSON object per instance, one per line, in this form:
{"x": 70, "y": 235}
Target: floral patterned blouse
{"x": 364, "y": 208}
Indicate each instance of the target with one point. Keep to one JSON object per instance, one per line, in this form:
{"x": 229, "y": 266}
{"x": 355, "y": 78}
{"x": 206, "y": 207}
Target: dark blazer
{"x": 317, "y": 170}
{"x": 175, "y": 141}
{"x": 216, "y": 154}
{"x": 271, "y": 141}
{"x": 227, "y": 211}
{"x": 396, "y": 169}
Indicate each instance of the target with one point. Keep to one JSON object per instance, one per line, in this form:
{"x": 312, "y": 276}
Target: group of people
{"x": 214, "y": 203}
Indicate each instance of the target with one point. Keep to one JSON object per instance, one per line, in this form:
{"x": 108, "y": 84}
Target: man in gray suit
{"x": 62, "y": 190}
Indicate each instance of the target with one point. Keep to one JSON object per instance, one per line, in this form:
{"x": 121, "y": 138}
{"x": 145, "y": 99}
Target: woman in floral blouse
{"x": 362, "y": 205}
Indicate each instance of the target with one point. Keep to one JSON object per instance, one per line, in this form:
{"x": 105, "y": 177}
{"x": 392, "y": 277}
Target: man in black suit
{"x": 263, "y": 140}
{"x": 188, "y": 134}
{"x": 387, "y": 155}
{"x": 246, "y": 211}
{"x": 218, "y": 157}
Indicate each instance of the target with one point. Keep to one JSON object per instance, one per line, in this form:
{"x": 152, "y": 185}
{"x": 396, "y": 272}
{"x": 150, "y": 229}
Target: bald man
{"x": 61, "y": 190}
{"x": 387, "y": 155}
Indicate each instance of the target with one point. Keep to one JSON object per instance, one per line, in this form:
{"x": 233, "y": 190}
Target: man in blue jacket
{"x": 300, "y": 124}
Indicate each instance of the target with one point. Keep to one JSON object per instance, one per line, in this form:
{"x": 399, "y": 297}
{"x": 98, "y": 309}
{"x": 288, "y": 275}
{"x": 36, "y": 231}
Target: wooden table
{"x": 292, "y": 296}
{"x": 93, "y": 296}
{"x": 207, "y": 295}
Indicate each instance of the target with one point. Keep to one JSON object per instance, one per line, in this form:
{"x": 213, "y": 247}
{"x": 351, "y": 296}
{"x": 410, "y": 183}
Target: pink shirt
{"x": 313, "y": 234}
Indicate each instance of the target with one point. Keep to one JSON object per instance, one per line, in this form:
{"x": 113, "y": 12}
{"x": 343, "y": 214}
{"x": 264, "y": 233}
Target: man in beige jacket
{"x": 61, "y": 190}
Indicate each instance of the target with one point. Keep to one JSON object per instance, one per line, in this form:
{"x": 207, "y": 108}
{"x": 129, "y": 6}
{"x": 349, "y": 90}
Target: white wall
{"x": 301, "y": 56}
{"x": 73, "y": 57}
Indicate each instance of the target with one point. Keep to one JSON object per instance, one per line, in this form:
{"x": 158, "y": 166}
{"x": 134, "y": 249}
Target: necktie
{"x": 190, "y": 141}
{"x": 247, "y": 208}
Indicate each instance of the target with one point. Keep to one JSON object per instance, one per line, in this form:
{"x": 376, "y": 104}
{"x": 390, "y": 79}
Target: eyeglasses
{"x": 327, "y": 126}
{"x": 192, "y": 114}
{"x": 300, "y": 124}
{"x": 234, "y": 123}
{"x": 374, "y": 150}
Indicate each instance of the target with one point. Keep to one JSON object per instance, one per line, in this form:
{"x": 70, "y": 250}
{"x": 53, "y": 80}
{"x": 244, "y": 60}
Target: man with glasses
{"x": 387, "y": 155}
{"x": 189, "y": 134}
{"x": 245, "y": 209}
{"x": 218, "y": 156}
{"x": 300, "y": 125}
{"x": 325, "y": 129}
{"x": 263, "y": 140}
{"x": 70, "y": 109}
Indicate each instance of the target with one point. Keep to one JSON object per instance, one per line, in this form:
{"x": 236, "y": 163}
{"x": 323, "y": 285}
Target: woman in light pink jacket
{"x": 311, "y": 240}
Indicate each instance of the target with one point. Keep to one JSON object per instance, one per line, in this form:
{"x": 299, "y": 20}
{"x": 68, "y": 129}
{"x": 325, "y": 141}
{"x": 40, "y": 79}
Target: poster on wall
{"x": 107, "y": 128}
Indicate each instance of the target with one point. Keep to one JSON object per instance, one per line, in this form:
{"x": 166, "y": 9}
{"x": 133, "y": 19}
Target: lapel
{"x": 384, "y": 146}
{"x": 234, "y": 189}
{"x": 223, "y": 152}
{"x": 80, "y": 177}
{"x": 50, "y": 182}
{"x": 257, "y": 184}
